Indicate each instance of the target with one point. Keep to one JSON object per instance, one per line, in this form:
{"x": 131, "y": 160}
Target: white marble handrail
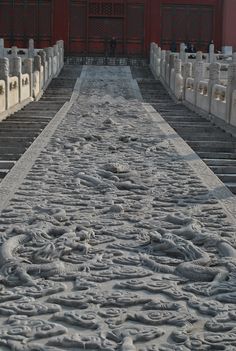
{"x": 26, "y": 73}
{"x": 206, "y": 82}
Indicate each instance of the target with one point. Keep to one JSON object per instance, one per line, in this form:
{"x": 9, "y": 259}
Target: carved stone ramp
{"x": 114, "y": 240}
{"x": 18, "y": 131}
{"x": 214, "y": 145}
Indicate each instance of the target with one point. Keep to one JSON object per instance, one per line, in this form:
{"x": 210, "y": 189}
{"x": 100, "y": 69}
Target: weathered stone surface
{"x": 112, "y": 242}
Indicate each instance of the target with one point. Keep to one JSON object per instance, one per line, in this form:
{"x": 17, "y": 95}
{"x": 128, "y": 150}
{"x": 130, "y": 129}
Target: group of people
{"x": 189, "y": 47}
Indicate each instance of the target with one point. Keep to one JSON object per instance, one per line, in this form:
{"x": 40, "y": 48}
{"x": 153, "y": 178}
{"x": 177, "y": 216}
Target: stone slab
{"x": 215, "y": 185}
{"x": 14, "y": 178}
{"x": 117, "y": 239}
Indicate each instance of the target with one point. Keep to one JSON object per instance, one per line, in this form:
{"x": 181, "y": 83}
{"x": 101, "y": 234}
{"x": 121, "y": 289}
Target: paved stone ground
{"x": 112, "y": 242}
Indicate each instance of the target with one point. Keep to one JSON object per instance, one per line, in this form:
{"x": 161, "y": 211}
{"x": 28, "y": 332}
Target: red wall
{"x": 229, "y": 23}
{"x": 72, "y": 21}
{"x": 61, "y": 20}
{"x": 152, "y": 31}
{"x": 156, "y": 17}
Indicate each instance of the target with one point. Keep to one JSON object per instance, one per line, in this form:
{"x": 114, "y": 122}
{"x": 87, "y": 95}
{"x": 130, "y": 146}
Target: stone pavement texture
{"x": 112, "y": 241}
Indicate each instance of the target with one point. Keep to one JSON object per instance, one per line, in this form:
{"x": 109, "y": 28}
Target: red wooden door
{"x": 92, "y": 23}
{"x": 105, "y": 20}
{"x": 78, "y": 26}
{"x": 135, "y": 24}
{"x": 21, "y": 20}
{"x": 187, "y": 23}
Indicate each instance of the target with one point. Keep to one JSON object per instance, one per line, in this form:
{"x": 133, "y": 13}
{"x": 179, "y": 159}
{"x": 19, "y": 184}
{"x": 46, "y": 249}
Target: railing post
{"x": 199, "y": 73}
{"x": 179, "y": 80}
{"x": 31, "y": 51}
{"x": 2, "y": 51}
{"x": 171, "y": 73}
{"x": 37, "y": 67}
{"x": 151, "y": 54}
{"x": 187, "y": 72}
{"x": 28, "y": 68}
{"x": 182, "y": 55}
{"x": 167, "y": 66}
{"x": 214, "y": 78}
{"x": 56, "y": 59}
{"x": 163, "y": 64}
{"x": 42, "y": 54}
{"x": 4, "y": 75}
{"x": 158, "y": 66}
{"x": 17, "y": 71}
{"x": 230, "y": 87}
{"x": 49, "y": 56}
{"x": 61, "y": 53}
{"x": 212, "y": 53}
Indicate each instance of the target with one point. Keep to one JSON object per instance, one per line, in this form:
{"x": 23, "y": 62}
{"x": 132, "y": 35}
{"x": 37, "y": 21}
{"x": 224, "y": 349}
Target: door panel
{"x": 78, "y": 27}
{"x": 187, "y": 23}
{"x": 21, "y": 20}
{"x": 6, "y": 21}
{"x": 94, "y": 22}
{"x": 45, "y": 23}
{"x": 101, "y": 30}
{"x": 135, "y": 29}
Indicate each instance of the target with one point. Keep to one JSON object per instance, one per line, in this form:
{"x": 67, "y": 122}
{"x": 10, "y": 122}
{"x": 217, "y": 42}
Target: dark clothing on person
{"x": 190, "y": 48}
{"x": 173, "y": 47}
{"x": 113, "y": 44}
{"x": 208, "y": 48}
{"x": 193, "y": 49}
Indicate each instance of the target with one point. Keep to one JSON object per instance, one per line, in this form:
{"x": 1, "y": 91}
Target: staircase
{"x": 213, "y": 145}
{"x": 19, "y": 130}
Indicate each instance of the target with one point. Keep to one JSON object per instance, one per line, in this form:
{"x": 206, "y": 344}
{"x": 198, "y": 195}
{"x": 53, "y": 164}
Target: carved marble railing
{"x": 203, "y": 83}
{"x": 26, "y": 73}
{"x": 218, "y": 101}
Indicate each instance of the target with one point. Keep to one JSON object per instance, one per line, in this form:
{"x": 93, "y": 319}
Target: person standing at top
{"x": 113, "y": 44}
{"x": 210, "y": 43}
{"x": 173, "y": 47}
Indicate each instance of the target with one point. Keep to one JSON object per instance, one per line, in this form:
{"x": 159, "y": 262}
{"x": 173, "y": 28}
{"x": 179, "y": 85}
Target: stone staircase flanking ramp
{"x": 215, "y": 146}
{"x": 18, "y": 131}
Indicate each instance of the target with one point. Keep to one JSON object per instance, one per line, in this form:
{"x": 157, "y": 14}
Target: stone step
{"x": 12, "y": 150}
{"x": 33, "y": 115}
{"x": 6, "y": 165}
{"x": 22, "y": 124}
{"x": 3, "y": 173}
{"x": 19, "y": 130}
{"x": 10, "y": 156}
{"x": 227, "y": 178}
{"x": 220, "y": 170}
{"x": 181, "y": 117}
{"x": 218, "y": 155}
{"x": 220, "y": 162}
{"x": 192, "y": 129}
{"x": 16, "y": 141}
{"x": 186, "y": 123}
{"x": 57, "y": 98}
{"x": 217, "y": 133}
{"x": 213, "y": 145}
{"x": 203, "y": 137}
{"x": 231, "y": 186}
{"x": 44, "y": 107}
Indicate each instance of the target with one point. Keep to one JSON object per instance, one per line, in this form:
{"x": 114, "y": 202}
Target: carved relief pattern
{"x": 113, "y": 244}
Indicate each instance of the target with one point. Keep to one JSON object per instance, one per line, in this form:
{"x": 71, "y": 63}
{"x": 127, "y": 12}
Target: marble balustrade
{"x": 26, "y": 73}
{"x": 205, "y": 82}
